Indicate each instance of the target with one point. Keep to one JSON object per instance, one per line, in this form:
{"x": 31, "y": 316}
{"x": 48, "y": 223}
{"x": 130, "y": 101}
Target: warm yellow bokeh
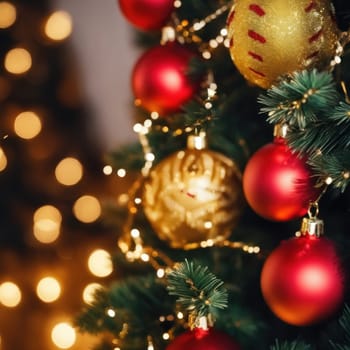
{"x": 89, "y": 292}
{"x": 10, "y": 294}
{"x": 27, "y": 125}
{"x": 7, "y": 14}
{"x": 47, "y": 224}
{"x": 18, "y": 61}
{"x": 3, "y": 160}
{"x": 69, "y": 171}
{"x": 58, "y": 26}
{"x": 63, "y": 335}
{"x": 48, "y": 289}
{"x": 87, "y": 209}
{"x": 100, "y": 263}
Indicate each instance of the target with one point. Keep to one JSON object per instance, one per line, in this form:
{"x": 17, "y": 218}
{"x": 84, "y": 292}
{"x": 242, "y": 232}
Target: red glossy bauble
{"x": 147, "y": 14}
{"x": 277, "y": 183}
{"x": 160, "y": 82}
{"x": 302, "y": 281}
{"x": 200, "y": 339}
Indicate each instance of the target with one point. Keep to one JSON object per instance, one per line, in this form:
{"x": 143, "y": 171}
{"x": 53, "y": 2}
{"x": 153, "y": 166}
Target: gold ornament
{"x": 272, "y": 38}
{"x": 193, "y": 196}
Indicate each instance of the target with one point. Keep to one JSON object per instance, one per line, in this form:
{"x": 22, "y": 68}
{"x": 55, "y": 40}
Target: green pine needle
{"x": 295, "y": 345}
{"x": 336, "y": 167}
{"x": 300, "y": 100}
{"x": 197, "y": 289}
{"x": 345, "y": 325}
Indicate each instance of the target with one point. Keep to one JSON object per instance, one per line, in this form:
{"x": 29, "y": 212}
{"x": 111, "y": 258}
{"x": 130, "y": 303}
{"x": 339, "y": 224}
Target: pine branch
{"x": 300, "y": 100}
{"x": 137, "y": 304}
{"x": 295, "y": 345}
{"x": 197, "y": 289}
{"x": 344, "y": 323}
{"x": 335, "y": 166}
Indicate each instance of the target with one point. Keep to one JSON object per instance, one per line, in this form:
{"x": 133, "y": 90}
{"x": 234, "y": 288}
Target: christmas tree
{"x": 233, "y": 232}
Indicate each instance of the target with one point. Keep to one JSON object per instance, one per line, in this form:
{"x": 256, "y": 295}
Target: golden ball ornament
{"x": 192, "y": 196}
{"x": 273, "y": 38}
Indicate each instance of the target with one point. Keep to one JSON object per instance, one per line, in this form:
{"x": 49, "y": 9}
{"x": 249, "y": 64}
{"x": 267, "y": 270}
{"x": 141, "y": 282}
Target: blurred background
{"x": 65, "y": 101}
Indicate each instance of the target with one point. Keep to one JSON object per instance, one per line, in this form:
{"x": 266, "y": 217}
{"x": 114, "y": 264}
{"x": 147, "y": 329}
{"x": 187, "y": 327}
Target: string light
{"x": 89, "y": 292}
{"x": 69, "y": 171}
{"x": 111, "y": 313}
{"x": 47, "y": 224}
{"x": 18, "y": 61}
{"x": 150, "y": 343}
{"x": 121, "y": 172}
{"x": 3, "y": 160}
{"x": 107, "y": 170}
{"x": 100, "y": 263}
{"x": 63, "y": 335}
{"x": 27, "y": 125}
{"x": 166, "y": 336}
{"x": 7, "y": 14}
{"x": 10, "y": 294}
{"x": 87, "y": 209}
{"x": 48, "y": 289}
{"x": 58, "y": 26}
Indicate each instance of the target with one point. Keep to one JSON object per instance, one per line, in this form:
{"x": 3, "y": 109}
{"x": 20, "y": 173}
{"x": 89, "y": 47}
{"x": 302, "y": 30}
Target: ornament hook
{"x": 313, "y": 210}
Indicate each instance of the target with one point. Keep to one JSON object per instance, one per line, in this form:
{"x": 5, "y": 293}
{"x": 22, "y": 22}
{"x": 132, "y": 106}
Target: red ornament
{"x": 160, "y": 82}
{"x": 302, "y": 280}
{"x": 147, "y": 14}
{"x": 277, "y": 183}
{"x": 203, "y": 339}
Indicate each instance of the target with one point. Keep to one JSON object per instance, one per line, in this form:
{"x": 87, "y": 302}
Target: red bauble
{"x": 277, "y": 183}
{"x": 302, "y": 281}
{"x": 200, "y": 339}
{"x": 147, "y": 14}
{"x": 160, "y": 81}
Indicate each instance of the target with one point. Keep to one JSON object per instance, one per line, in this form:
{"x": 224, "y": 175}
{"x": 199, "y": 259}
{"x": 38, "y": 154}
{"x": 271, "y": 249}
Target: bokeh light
{"x": 3, "y": 160}
{"x": 7, "y": 14}
{"x": 47, "y": 224}
{"x": 63, "y": 335}
{"x": 89, "y": 292}
{"x": 27, "y": 125}
{"x": 69, "y": 171}
{"x": 10, "y": 294}
{"x": 87, "y": 209}
{"x": 100, "y": 263}
{"x": 58, "y": 26}
{"x": 18, "y": 61}
{"x": 48, "y": 289}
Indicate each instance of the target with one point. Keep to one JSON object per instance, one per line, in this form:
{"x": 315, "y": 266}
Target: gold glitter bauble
{"x": 193, "y": 196}
{"x": 272, "y": 38}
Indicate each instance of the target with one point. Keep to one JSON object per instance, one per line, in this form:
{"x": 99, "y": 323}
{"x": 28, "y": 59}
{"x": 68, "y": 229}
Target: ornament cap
{"x": 312, "y": 227}
{"x": 197, "y": 141}
{"x": 280, "y": 130}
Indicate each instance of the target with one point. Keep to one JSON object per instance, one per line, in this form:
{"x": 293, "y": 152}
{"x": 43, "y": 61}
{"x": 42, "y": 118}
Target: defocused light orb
{"x": 100, "y": 263}
{"x": 89, "y": 292}
{"x": 3, "y": 160}
{"x": 47, "y": 224}
{"x": 27, "y": 125}
{"x": 63, "y": 335}
{"x": 107, "y": 170}
{"x": 10, "y": 294}
{"x": 48, "y": 289}
{"x": 7, "y": 14}
{"x": 87, "y": 209}
{"x": 69, "y": 171}
{"x": 18, "y": 61}
{"x": 58, "y": 26}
